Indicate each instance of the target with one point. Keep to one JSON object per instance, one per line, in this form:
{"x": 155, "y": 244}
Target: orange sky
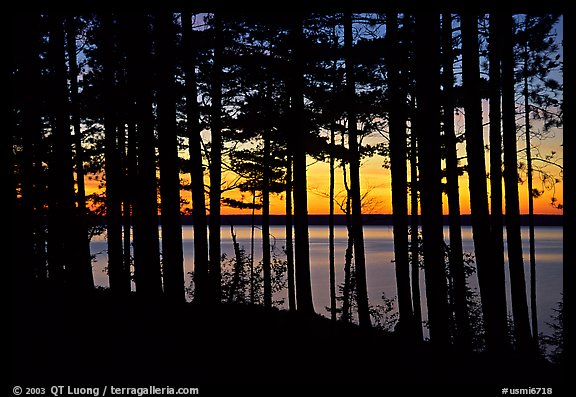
{"x": 377, "y": 179}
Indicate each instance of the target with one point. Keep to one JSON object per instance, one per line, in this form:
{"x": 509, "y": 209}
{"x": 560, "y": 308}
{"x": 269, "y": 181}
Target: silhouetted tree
{"x": 172, "y": 256}
{"x": 331, "y": 256}
{"x": 398, "y": 155}
{"x": 127, "y": 169}
{"x": 427, "y": 126}
{"x": 515, "y": 261}
{"x": 215, "y": 160}
{"x": 266, "y": 265}
{"x": 298, "y": 149}
{"x": 347, "y": 286}
{"x": 289, "y": 239}
{"x": 495, "y": 139}
{"x": 414, "y": 249}
{"x": 112, "y": 158}
{"x": 407, "y": 32}
{"x": 64, "y": 256}
{"x": 488, "y": 276}
{"x": 357, "y": 228}
{"x": 533, "y": 310}
{"x": 456, "y": 260}
{"x": 83, "y": 242}
{"x": 196, "y": 166}
{"x": 146, "y": 240}
{"x": 540, "y": 58}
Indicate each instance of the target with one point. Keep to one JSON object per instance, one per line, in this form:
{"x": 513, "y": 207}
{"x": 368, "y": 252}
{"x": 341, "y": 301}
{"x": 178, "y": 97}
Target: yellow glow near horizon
{"x": 376, "y": 181}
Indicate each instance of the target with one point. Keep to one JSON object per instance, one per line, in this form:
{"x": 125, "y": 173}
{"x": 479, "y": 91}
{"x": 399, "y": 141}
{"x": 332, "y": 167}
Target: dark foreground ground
{"x": 100, "y": 341}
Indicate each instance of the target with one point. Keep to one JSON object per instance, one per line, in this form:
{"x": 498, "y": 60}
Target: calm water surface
{"x": 379, "y": 266}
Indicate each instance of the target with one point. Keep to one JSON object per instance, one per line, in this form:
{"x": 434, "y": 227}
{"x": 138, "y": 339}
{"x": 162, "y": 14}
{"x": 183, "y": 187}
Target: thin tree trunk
{"x": 196, "y": 167}
{"x": 456, "y": 257}
{"x": 514, "y": 238}
{"x": 172, "y": 255}
{"x": 133, "y": 187}
{"x": 487, "y": 270}
{"x": 253, "y": 221}
{"x": 266, "y": 266}
{"x": 289, "y": 241}
{"x": 298, "y": 149}
{"x": 398, "y": 151}
{"x": 112, "y": 162}
{"x": 357, "y": 227}
{"x": 331, "y": 254}
{"x": 331, "y": 258}
{"x": 124, "y": 145}
{"x": 63, "y": 255}
{"x": 83, "y": 244}
{"x": 146, "y": 239}
{"x": 533, "y": 306}
{"x": 414, "y": 249}
{"x": 237, "y": 266}
{"x": 348, "y": 255}
{"x": 414, "y": 226}
{"x": 496, "y": 222}
{"x": 216, "y": 163}
{"x": 428, "y": 130}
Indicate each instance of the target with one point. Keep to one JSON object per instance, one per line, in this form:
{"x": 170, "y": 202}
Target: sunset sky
{"x": 376, "y": 179}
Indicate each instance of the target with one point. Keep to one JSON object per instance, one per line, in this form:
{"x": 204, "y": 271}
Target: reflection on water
{"x": 379, "y": 266}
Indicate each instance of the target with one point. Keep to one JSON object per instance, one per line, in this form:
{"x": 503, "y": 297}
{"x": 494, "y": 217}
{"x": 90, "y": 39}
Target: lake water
{"x": 379, "y": 266}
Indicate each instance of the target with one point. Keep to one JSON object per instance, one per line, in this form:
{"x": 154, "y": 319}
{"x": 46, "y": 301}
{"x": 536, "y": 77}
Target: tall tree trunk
{"x": 428, "y": 130}
{"x": 357, "y": 227}
{"x": 298, "y": 149}
{"x": 172, "y": 255}
{"x": 125, "y": 149}
{"x": 266, "y": 266}
{"x": 514, "y": 238}
{"x": 533, "y": 306}
{"x": 331, "y": 257}
{"x": 83, "y": 244}
{"x": 289, "y": 241}
{"x": 112, "y": 162}
{"x": 408, "y": 26}
{"x": 348, "y": 254}
{"x": 398, "y": 153}
{"x": 216, "y": 163}
{"x": 456, "y": 257}
{"x": 477, "y": 182}
{"x": 496, "y": 222}
{"x": 196, "y": 167}
{"x": 414, "y": 249}
{"x": 331, "y": 254}
{"x": 252, "y": 228}
{"x": 146, "y": 239}
{"x": 63, "y": 254}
